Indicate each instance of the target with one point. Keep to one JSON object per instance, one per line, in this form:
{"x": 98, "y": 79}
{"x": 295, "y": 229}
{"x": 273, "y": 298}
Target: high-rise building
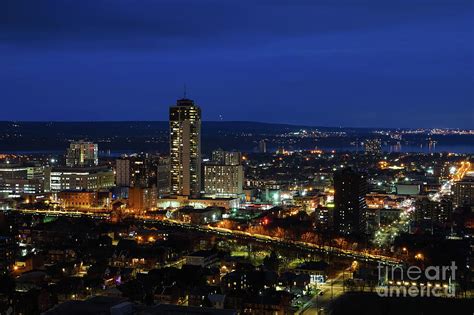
{"x": 373, "y": 146}
{"x": 226, "y": 157}
{"x": 430, "y": 212}
{"x": 262, "y": 146}
{"x": 323, "y": 218}
{"x": 224, "y": 175}
{"x": 82, "y": 153}
{"x": 7, "y": 253}
{"x": 7, "y": 245}
{"x": 185, "y": 148}
{"x": 464, "y": 191}
{"x": 140, "y": 199}
{"x": 163, "y": 177}
{"x": 350, "y": 208}
{"x": 122, "y": 172}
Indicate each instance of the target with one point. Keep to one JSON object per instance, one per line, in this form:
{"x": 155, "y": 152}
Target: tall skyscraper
{"x": 350, "y": 208}
{"x": 82, "y": 153}
{"x": 185, "y": 148}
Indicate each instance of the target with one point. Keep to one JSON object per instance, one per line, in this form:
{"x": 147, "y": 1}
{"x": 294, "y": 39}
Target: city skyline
{"x": 401, "y": 64}
{"x": 304, "y": 157}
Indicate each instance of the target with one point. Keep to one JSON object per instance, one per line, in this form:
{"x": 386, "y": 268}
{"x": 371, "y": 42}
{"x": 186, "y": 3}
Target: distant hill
{"x": 133, "y": 136}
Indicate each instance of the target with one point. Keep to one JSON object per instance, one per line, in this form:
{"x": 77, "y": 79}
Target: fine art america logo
{"x": 412, "y": 281}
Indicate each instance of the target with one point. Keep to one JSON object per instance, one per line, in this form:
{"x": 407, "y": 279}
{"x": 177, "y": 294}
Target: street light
{"x": 405, "y": 251}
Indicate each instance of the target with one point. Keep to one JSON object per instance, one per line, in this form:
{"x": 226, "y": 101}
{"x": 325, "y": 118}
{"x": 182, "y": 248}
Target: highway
{"x": 464, "y": 167}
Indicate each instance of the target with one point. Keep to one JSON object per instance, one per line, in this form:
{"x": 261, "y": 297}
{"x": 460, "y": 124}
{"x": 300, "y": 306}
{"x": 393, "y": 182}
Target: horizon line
{"x": 228, "y": 121}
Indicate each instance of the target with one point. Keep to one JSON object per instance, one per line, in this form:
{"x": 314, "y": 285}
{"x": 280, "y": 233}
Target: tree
{"x": 7, "y": 285}
{"x": 134, "y": 290}
{"x": 279, "y": 232}
{"x": 272, "y": 262}
{"x": 257, "y": 230}
{"x": 309, "y": 237}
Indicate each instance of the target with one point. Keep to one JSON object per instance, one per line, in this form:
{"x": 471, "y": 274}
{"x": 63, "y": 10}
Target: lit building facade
{"x": 142, "y": 198}
{"x": 226, "y": 157}
{"x": 91, "y": 178}
{"x": 84, "y": 199}
{"x": 78, "y": 199}
{"x": 350, "y": 208}
{"x": 122, "y": 172}
{"x": 185, "y": 148}
{"x": 143, "y": 171}
{"x": 18, "y": 187}
{"x": 223, "y": 180}
{"x": 7, "y": 253}
{"x": 82, "y": 153}
{"x": 373, "y": 146}
{"x": 464, "y": 191}
{"x": 224, "y": 175}
{"x": 17, "y": 180}
{"x": 431, "y": 213}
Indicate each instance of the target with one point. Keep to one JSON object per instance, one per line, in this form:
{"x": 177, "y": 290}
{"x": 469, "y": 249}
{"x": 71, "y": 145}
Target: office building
{"x": 163, "y": 177}
{"x": 226, "y": 157}
{"x": 11, "y": 188}
{"x": 82, "y": 154}
{"x": 13, "y": 171}
{"x": 430, "y": 213}
{"x": 19, "y": 179}
{"x": 140, "y": 199}
{"x": 323, "y": 218}
{"x": 80, "y": 178}
{"x": 464, "y": 191}
{"x": 143, "y": 171}
{"x": 224, "y": 175}
{"x": 350, "y": 208}
{"x": 199, "y": 216}
{"x": 78, "y": 199}
{"x": 185, "y": 148}
{"x": 7, "y": 253}
{"x": 122, "y": 172}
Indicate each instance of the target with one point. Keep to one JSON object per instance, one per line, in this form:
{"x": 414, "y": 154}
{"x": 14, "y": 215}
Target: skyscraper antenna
{"x": 184, "y": 91}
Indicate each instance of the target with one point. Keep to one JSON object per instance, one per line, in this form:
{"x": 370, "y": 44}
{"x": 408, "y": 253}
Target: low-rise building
{"x": 202, "y": 258}
{"x": 199, "y": 203}
{"x": 80, "y": 178}
{"x": 84, "y": 199}
{"x": 199, "y": 216}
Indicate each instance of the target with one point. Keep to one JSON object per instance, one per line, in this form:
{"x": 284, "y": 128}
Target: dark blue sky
{"x": 400, "y": 63}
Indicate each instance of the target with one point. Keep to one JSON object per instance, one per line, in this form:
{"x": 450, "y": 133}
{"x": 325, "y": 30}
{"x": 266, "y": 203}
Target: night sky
{"x": 398, "y": 63}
